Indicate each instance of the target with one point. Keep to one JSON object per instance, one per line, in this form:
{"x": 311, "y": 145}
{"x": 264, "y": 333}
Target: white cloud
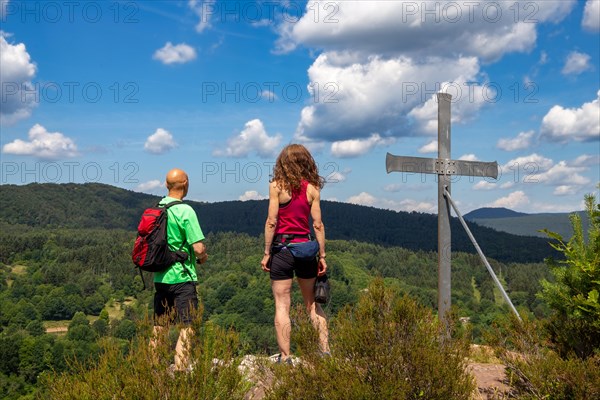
{"x": 562, "y": 207}
{"x": 528, "y": 163}
{"x": 19, "y": 95}
{"x": 268, "y": 95}
{"x": 43, "y": 144}
{"x": 396, "y": 187}
{"x": 580, "y": 124}
{"x": 253, "y": 138}
{"x": 178, "y": 54}
{"x": 562, "y": 174}
{"x": 467, "y": 99}
{"x": 576, "y": 63}
{"x": 378, "y": 50}
{"x": 591, "y": 15}
{"x": 521, "y": 142}
{"x": 393, "y": 187}
{"x": 534, "y": 169}
{"x": 512, "y": 201}
{"x": 430, "y": 147}
{"x": 586, "y": 160}
{"x": 409, "y": 205}
{"x": 356, "y": 147}
{"x": 251, "y": 195}
{"x": 150, "y": 186}
{"x": 363, "y": 199}
{"x": 484, "y": 185}
{"x": 366, "y": 199}
{"x": 565, "y": 190}
{"x": 468, "y": 157}
{"x": 356, "y": 97}
{"x": 335, "y": 177}
{"x": 160, "y": 142}
{"x": 507, "y": 185}
{"x": 405, "y": 27}
{"x": 203, "y": 9}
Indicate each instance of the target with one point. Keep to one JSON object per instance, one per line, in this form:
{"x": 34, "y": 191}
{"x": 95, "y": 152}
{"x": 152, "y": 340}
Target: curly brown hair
{"x": 293, "y": 164}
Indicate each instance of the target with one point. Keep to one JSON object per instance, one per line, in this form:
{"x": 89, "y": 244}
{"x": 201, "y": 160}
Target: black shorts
{"x": 283, "y": 265}
{"x": 178, "y": 301}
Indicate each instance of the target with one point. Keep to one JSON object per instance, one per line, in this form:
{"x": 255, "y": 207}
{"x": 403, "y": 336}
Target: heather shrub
{"x": 139, "y": 373}
{"x": 536, "y": 371}
{"x": 386, "y": 346}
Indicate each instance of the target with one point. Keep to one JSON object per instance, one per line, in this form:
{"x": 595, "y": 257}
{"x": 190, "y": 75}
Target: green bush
{"x": 574, "y": 298}
{"x": 135, "y": 372}
{"x": 384, "y": 347}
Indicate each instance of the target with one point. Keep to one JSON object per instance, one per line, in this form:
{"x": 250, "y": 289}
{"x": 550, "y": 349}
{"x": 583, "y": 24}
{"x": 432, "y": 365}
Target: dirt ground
{"x": 58, "y": 329}
{"x": 490, "y": 380}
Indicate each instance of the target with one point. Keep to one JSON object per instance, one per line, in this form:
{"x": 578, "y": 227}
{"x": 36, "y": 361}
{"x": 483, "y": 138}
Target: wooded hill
{"x": 95, "y": 205}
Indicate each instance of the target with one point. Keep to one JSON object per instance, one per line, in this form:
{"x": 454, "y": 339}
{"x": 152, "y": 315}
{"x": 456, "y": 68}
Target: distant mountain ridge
{"x": 522, "y": 224}
{"x": 94, "y": 205}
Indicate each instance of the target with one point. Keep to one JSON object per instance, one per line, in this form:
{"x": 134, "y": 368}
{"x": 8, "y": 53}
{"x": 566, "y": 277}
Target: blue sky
{"x": 119, "y": 92}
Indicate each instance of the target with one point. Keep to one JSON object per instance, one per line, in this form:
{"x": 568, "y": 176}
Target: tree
{"x": 573, "y": 298}
{"x": 80, "y": 329}
{"x": 36, "y": 328}
{"x": 32, "y": 357}
{"x": 125, "y": 329}
{"x": 100, "y": 326}
{"x": 93, "y": 304}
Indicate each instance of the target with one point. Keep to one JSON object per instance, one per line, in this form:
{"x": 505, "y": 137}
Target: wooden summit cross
{"x": 444, "y": 167}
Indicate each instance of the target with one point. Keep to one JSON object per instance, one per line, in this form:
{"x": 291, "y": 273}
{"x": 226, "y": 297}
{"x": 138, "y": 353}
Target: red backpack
{"x": 151, "y": 250}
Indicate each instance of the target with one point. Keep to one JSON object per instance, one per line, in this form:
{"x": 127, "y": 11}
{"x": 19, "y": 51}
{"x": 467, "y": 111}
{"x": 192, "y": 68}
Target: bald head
{"x": 177, "y": 183}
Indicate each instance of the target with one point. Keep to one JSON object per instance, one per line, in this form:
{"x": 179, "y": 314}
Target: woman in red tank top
{"x": 294, "y": 194}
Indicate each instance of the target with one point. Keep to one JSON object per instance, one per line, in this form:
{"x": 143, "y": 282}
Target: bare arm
{"x": 271, "y": 223}
{"x": 319, "y": 227}
{"x": 200, "y": 251}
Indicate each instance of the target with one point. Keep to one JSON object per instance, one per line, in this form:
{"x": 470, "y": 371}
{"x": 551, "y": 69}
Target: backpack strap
{"x": 167, "y": 206}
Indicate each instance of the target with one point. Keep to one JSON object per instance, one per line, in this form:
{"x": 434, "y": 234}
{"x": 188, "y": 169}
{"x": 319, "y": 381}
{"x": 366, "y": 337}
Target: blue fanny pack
{"x": 304, "y": 251}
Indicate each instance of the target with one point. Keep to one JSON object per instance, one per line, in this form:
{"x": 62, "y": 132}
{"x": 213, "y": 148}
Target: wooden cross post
{"x": 444, "y": 167}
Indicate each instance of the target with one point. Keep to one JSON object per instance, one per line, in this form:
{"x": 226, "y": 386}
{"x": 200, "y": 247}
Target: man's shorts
{"x": 178, "y": 301}
{"x": 283, "y": 266}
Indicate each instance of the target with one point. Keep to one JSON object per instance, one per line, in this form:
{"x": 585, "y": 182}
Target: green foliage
{"x": 535, "y": 371}
{"x": 52, "y": 274}
{"x": 80, "y": 329}
{"x": 233, "y": 288}
{"x": 573, "y": 298}
{"x": 387, "y": 346}
{"x": 125, "y": 329}
{"x": 136, "y": 374}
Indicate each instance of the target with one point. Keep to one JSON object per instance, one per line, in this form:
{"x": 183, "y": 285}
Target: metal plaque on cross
{"x": 444, "y": 167}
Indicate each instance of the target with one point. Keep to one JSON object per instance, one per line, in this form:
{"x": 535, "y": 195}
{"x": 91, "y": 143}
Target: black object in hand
{"x": 322, "y": 290}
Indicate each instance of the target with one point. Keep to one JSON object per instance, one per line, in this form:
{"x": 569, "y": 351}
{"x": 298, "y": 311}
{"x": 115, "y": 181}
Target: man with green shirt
{"x": 176, "y": 286}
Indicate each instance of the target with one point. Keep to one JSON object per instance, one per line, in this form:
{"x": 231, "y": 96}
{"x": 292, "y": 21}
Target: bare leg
{"x": 182, "y": 349}
{"x": 317, "y": 316}
{"x": 157, "y": 331}
{"x": 282, "y": 293}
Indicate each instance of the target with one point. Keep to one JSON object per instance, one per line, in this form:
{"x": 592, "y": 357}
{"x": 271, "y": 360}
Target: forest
{"x": 67, "y": 281}
{"x": 80, "y": 278}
